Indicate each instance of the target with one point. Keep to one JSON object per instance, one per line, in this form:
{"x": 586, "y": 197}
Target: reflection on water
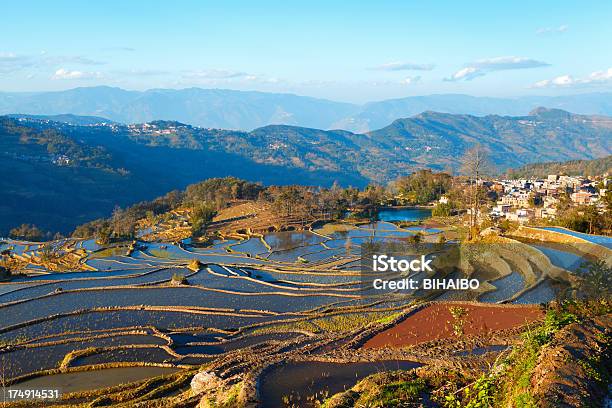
{"x": 562, "y": 259}
{"x": 252, "y": 246}
{"x": 404, "y": 214}
{"x": 284, "y": 240}
{"x": 505, "y": 288}
{"x": 305, "y": 379}
{"x": 91, "y": 380}
{"x": 542, "y": 293}
{"x": 597, "y": 239}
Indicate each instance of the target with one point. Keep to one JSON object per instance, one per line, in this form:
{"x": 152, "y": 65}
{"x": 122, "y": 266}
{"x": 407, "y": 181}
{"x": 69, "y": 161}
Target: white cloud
{"x": 215, "y": 74}
{"x": 467, "y": 73}
{"x": 552, "y": 30}
{"x": 67, "y": 74}
{"x": 503, "y": 63}
{"x": 600, "y": 76}
{"x": 10, "y": 62}
{"x": 142, "y": 72}
{"x": 483, "y": 66}
{"x": 263, "y": 79}
{"x": 403, "y": 66}
{"x": 410, "y": 80}
{"x": 222, "y": 77}
{"x": 124, "y": 49}
{"x": 69, "y": 59}
{"x": 564, "y": 81}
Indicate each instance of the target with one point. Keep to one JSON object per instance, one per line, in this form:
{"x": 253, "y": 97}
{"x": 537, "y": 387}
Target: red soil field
{"x": 435, "y": 322}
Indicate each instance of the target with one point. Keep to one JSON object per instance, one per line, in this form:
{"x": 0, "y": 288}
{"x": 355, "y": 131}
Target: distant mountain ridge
{"x": 65, "y": 118}
{"x": 247, "y": 110}
{"x": 213, "y": 108}
{"x": 64, "y": 174}
{"x": 593, "y": 167}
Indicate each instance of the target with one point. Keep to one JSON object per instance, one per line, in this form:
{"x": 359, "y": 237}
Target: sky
{"x": 339, "y": 50}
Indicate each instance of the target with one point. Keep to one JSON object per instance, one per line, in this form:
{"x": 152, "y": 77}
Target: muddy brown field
{"x": 436, "y": 322}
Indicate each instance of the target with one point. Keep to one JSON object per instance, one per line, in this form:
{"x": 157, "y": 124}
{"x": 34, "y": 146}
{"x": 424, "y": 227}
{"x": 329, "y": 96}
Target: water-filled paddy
{"x": 252, "y": 246}
{"x": 292, "y": 255}
{"x": 146, "y": 277}
{"x": 404, "y": 214}
{"x": 66, "y": 302}
{"x": 543, "y": 292}
{"x": 563, "y": 259}
{"x": 131, "y": 318}
{"x": 181, "y": 339}
{"x": 9, "y": 287}
{"x": 597, "y": 239}
{"x": 230, "y": 271}
{"x": 91, "y": 380}
{"x": 304, "y": 379}
{"x": 32, "y": 359}
{"x": 335, "y": 277}
{"x": 87, "y": 274}
{"x": 292, "y": 239}
{"x": 224, "y": 347}
{"x": 235, "y": 283}
{"x": 126, "y": 355}
{"x": 505, "y": 288}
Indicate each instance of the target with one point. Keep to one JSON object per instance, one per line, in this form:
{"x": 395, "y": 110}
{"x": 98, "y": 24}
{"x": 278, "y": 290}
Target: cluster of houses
{"x": 525, "y": 199}
{"x": 522, "y": 200}
{"x": 61, "y": 160}
{"x": 168, "y": 128}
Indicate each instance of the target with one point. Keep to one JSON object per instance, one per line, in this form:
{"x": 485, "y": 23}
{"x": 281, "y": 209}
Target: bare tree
{"x": 475, "y": 164}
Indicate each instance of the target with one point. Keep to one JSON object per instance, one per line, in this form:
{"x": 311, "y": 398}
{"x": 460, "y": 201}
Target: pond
{"x": 91, "y": 380}
{"x": 404, "y": 214}
{"x": 299, "y": 381}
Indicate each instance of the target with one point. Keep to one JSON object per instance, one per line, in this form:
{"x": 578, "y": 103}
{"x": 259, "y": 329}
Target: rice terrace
{"x": 265, "y": 306}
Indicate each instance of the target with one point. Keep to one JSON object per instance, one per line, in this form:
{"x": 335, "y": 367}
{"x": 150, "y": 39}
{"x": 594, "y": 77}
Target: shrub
{"x": 178, "y": 279}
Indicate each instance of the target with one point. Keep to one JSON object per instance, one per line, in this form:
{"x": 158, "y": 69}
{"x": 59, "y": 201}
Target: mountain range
{"x": 602, "y": 165}
{"x": 247, "y": 110}
{"x": 59, "y": 175}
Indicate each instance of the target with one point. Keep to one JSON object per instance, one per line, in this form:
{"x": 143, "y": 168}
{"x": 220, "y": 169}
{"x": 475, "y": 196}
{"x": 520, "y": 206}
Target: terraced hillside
{"x": 270, "y": 319}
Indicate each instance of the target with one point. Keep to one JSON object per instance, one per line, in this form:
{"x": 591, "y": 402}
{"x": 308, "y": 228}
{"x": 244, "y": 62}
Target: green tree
{"x": 423, "y": 186}
{"x": 596, "y": 282}
{"x": 27, "y": 232}
{"x": 442, "y": 210}
{"x": 201, "y": 214}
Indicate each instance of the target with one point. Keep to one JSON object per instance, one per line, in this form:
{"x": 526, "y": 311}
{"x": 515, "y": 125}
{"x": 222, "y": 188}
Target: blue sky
{"x": 340, "y": 50}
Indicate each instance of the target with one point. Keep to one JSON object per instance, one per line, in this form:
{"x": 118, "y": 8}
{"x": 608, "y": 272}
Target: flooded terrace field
{"x": 283, "y": 292}
{"x": 306, "y": 383}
